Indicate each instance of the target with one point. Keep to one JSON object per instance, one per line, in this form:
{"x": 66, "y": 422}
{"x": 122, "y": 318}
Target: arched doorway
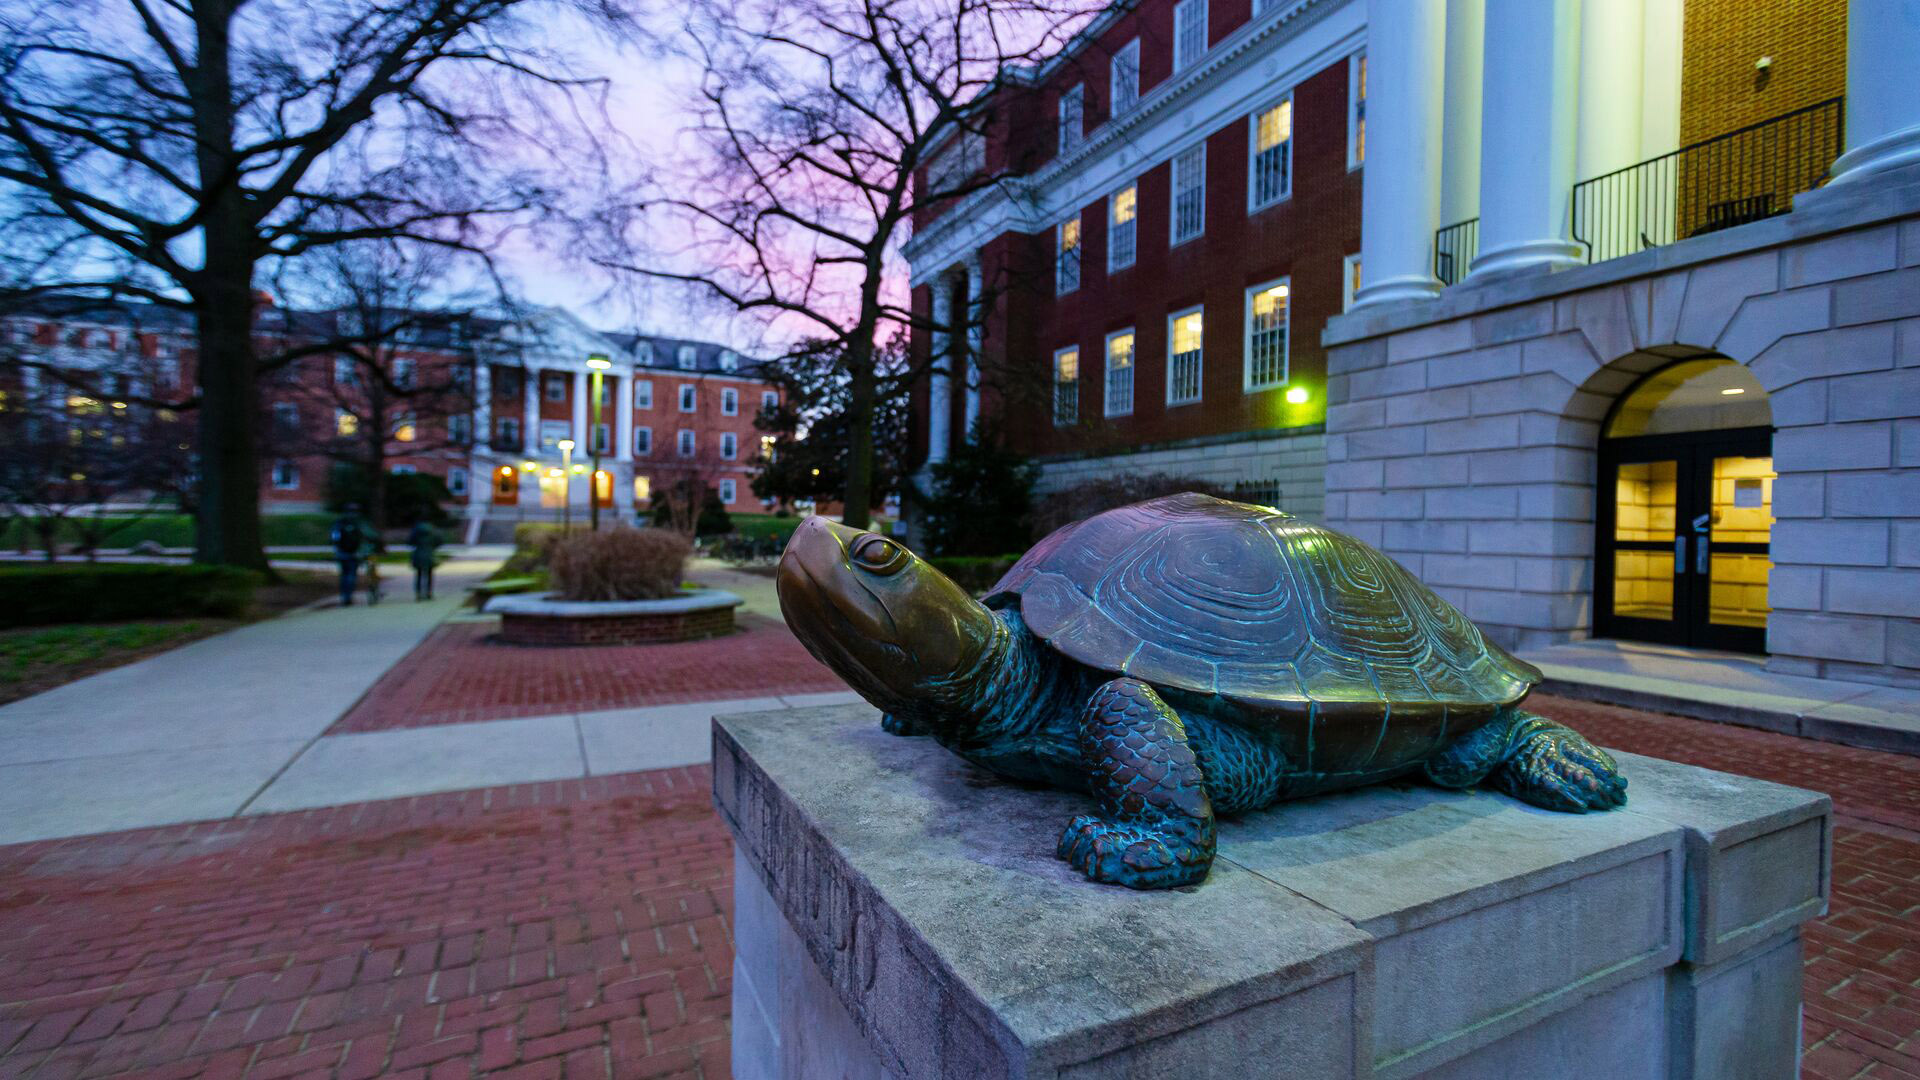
{"x": 1685, "y": 509}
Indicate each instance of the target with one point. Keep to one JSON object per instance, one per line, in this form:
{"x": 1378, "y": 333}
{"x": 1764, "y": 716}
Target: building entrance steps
{"x": 1732, "y": 688}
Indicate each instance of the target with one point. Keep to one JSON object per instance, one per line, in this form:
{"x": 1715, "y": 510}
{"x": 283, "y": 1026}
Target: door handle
{"x": 1700, "y": 526}
{"x": 1680, "y": 554}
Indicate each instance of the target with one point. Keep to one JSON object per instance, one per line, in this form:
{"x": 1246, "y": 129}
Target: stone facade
{"x": 1282, "y": 469}
{"x": 1462, "y": 432}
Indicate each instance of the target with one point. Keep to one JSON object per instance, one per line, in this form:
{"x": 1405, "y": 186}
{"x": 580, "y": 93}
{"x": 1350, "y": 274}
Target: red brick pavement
{"x": 459, "y": 674}
{"x": 580, "y": 929}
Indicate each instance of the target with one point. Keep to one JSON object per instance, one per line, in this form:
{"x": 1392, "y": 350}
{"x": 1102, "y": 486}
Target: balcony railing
{"x": 1454, "y": 247}
{"x": 1745, "y": 175}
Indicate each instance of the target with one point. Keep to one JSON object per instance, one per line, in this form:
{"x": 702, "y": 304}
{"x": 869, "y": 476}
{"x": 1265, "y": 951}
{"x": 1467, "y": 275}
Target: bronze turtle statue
{"x": 1179, "y": 658}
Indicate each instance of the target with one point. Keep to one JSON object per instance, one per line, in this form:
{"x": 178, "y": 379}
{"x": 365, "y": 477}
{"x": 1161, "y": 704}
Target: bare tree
{"x": 168, "y": 150}
{"x": 827, "y": 126}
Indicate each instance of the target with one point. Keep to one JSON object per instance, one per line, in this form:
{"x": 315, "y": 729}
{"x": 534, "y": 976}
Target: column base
{"x": 1394, "y": 289}
{"x": 1886, "y": 152}
{"x": 1528, "y": 257}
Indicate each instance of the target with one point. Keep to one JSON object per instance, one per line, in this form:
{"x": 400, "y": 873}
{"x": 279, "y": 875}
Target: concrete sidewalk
{"x": 198, "y": 731}
{"x": 1733, "y": 689}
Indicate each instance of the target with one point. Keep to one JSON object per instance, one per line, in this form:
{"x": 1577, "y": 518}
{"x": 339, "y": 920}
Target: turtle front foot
{"x": 1555, "y": 767}
{"x": 1136, "y": 856}
{"x": 1156, "y": 826}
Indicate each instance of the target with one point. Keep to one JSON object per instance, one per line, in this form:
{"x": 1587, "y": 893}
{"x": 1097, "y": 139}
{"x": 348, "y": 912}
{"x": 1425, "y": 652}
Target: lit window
{"x": 1073, "y": 111}
{"x": 1356, "y": 110}
{"x": 729, "y": 447}
{"x": 686, "y": 443}
{"x": 1124, "y": 76}
{"x": 1267, "y": 321}
{"x": 1122, "y": 209}
{"x": 1119, "y": 387}
{"x": 729, "y": 491}
{"x": 643, "y": 441}
{"x": 1189, "y": 33}
{"x": 729, "y": 402}
{"x": 643, "y": 394}
{"x": 404, "y": 428}
{"x": 642, "y": 489}
{"x": 1066, "y": 269}
{"x": 687, "y": 399}
{"x": 1183, "y": 357}
{"x": 1272, "y": 164}
{"x": 286, "y": 475}
{"x": 1066, "y": 386}
{"x": 766, "y": 447}
{"x": 345, "y": 423}
{"x": 1190, "y": 193}
{"x": 1350, "y": 283}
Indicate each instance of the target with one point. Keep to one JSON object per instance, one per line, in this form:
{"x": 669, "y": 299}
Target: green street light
{"x": 599, "y": 363}
{"x": 566, "y": 485}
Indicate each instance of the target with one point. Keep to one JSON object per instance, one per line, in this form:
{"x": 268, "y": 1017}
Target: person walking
{"x": 426, "y": 541}
{"x": 349, "y": 537}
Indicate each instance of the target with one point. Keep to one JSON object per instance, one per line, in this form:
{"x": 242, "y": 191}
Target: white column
{"x": 623, "y": 419}
{"x": 482, "y": 404}
{"x": 480, "y": 459}
{"x": 530, "y": 424}
{"x": 1400, "y": 194}
{"x": 940, "y": 390}
{"x": 1883, "y": 99}
{"x": 582, "y": 438}
{"x": 1612, "y": 78}
{"x": 1529, "y": 105}
{"x": 1460, "y": 131}
{"x": 976, "y": 337}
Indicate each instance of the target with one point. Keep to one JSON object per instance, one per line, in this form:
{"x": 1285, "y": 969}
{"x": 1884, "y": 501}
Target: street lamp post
{"x": 566, "y": 485}
{"x": 599, "y": 363}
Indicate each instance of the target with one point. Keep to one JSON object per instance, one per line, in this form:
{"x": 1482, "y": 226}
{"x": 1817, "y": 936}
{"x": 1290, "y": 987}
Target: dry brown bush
{"x": 619, "y": 564}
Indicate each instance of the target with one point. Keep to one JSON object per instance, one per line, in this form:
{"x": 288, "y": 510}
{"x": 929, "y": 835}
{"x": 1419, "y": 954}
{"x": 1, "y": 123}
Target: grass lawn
{"x": 176, "y": 530}
{"x": 38, "y": 658}
{"x": 391, "y": 558}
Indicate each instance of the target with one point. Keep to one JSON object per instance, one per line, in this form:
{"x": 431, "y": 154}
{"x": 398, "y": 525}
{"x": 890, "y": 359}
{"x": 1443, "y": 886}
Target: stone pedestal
{"x": 900, "y": 913}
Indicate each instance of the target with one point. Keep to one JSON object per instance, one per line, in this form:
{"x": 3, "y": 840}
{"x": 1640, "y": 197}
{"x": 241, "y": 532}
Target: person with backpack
{"x": 349, "y": 538}
{"x": 426, "y": 541}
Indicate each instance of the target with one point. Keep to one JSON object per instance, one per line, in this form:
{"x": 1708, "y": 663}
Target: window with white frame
{"x": 1356, "y": 110}
{"x": 460, "y": 428}
{"x": 687, "y": 399}
{"x": 556, "y": 387}
{"x": 643, "y": 394}
{"x": 602, "y": 439}
{"x": 1349, "y": 280}
{"x": 1122, "y": 210}
{"x": 769, "y": 399}
{"x": 1184, "y": 356}
{"x": 510, "y": 431}
{"x": 642, "y": 488}
{"x": 729, "y": 491}
{"x": 729, "y": 359}
{"x": 729, "y": 447}
{"x": 688, "y": 357}
{"x": 729, "y": 402}
{"x": 1271, "y": 162}
{"x": 286, "y": 419}
{"x": 456, "y": 480}
{"x": 345, "y": 371}
{"x": 1124, "y": 79}
{"x": 1119, "y": 382}
{"x": 686, "y": 443}
{"x": 1189, "y": 33}
{"x": 1267, "y": 324}
{"x": 643, "y": 352}
{"x": 1189, "y": 193}
{"x": 1066, "y": 386}
{"x": 286, "y": 475}
{"x": 1073, "y": 115}
{"x": 642, "y": 441}
{"x": 1066, "y": 267}
{"x": 403, "y": 372}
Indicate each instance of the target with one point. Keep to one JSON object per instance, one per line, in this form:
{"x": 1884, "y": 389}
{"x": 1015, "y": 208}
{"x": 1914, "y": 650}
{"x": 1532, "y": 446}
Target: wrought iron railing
{"x": 1454, "y": 247}
{"x": 1744, "y": 175}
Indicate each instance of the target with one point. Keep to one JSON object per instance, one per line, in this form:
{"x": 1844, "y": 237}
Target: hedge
{"x": 115, "y": 592}
{"x": 176, "y": 530}
{"x": 974, "y": 573}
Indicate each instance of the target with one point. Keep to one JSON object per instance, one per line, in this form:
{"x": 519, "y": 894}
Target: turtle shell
{"x": 1226, "y": 598}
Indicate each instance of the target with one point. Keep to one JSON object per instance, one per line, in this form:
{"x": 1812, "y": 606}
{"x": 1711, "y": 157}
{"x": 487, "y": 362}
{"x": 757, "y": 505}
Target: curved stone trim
{"x": 537, "y": 619}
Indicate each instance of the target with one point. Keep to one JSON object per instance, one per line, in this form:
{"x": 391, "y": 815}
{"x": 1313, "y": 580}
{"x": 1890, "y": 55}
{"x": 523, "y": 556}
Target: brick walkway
{"x": 459, "y": 675}
{"x": 580, "y": 929}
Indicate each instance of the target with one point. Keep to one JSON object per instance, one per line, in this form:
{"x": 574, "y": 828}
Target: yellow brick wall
{"x": 1719, "y": 87}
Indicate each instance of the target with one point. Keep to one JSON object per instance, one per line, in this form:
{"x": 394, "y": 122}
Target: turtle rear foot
{"x": 1156, "y": 827}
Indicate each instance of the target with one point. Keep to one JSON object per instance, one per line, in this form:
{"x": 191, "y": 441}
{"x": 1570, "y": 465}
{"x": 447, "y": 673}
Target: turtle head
{"x": 900, "y": 632}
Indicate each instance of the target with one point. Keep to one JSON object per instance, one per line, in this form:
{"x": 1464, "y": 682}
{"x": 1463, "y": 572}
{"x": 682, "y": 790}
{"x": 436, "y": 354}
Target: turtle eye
{"x": 878, "y": 555}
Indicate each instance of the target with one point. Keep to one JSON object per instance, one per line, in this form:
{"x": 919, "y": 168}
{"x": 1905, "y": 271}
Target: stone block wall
{"x": 1285, "y": 470}
{"x": 1466, "y": 446}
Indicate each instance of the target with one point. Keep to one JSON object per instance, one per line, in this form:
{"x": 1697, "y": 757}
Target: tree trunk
{"x": 857, "y": 511}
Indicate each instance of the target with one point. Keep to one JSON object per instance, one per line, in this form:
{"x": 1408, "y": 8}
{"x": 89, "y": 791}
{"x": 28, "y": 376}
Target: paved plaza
{"x": 541, "y": 888}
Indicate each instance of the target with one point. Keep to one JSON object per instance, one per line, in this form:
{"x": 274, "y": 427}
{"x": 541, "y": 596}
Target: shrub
{"x": 619, "y": 564}
{"x": 532, "y": 550}
{"x": 980, "y": 499}
{"x": 974, "y": 573}
{"x": 1081, "y": 501}
{"x": 116, "y": 592}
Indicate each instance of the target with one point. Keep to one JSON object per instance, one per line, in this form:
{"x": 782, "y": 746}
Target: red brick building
{"x": 1146, "y": 292}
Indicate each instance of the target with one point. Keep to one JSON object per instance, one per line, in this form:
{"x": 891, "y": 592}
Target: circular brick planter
{"x": 534, "y": 619}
